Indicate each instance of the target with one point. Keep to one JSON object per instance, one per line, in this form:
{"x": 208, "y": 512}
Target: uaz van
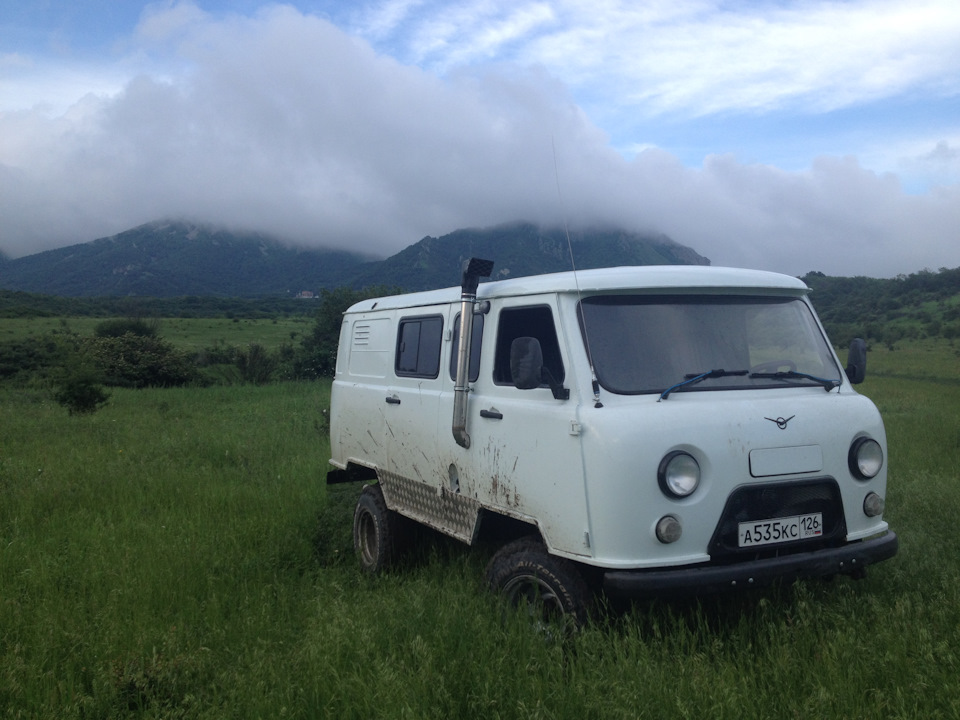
{"x": 650, "y": 431}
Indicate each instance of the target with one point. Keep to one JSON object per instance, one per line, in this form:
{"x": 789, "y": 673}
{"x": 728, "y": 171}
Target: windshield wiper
{"x": 828, "y": 385}
{"x": 693, "y": 378}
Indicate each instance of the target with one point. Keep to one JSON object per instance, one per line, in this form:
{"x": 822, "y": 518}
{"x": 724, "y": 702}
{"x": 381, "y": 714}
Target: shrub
{"x": 80, "y": 390}
{"x": 136, "y": 361}
{"x": 118, "y": 327}
{"x": 30, "y": 357}
{"x": 256, "y": 365}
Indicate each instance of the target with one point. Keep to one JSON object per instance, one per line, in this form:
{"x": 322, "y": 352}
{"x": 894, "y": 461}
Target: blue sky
{"x": 789, "y": 136}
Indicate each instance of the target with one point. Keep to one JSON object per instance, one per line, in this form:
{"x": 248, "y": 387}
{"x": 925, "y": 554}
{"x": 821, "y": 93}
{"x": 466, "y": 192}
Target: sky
{"x": 788, "y": 136}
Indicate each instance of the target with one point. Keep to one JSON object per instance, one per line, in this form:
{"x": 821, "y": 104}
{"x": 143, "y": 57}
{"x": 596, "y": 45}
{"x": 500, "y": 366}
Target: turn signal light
{"x": 668, "y": 529}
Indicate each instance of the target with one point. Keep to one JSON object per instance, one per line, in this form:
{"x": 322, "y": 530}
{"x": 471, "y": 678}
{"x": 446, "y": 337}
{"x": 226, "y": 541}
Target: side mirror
{"x": 857, "y": 361}
{"x": 526, "y": 363}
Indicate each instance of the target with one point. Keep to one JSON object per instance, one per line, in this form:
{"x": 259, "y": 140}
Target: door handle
{"x": 393, "y": 400}
{"x": 492, "y": 414}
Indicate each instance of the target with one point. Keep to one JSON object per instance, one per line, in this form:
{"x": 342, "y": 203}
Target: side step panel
{"x": 449, "y": 512}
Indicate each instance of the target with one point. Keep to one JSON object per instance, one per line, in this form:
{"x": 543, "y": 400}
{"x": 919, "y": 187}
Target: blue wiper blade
{"x": 695, "y": 378}
{"x": 828, "y": 384}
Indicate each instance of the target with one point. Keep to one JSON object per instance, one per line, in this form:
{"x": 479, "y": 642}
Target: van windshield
{"x": 648, "y": 344}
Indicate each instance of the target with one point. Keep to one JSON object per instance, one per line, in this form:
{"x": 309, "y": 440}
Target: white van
{"x": 649, "y": 431}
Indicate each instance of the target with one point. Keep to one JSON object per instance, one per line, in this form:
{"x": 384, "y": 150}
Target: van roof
{"x": 645, "y": 278}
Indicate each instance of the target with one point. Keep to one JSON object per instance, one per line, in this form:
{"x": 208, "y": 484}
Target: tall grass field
{"x": 177, "y": 554}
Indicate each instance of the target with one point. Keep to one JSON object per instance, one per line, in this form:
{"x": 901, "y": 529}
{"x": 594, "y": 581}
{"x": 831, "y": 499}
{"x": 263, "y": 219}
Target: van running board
{"x": 449, "y": 512}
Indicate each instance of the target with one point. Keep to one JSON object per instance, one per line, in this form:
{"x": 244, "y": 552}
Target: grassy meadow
{"x": 177, "y": 555}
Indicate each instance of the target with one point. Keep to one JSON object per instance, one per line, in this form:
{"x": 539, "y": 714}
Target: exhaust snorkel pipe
{"x": 470, "y": 273}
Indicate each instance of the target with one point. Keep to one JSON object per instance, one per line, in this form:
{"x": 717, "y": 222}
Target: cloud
{"x": 161, "y": 21}
{"x": 941, "y": 163}
{"x": 695, "y": 56}
{"x": 283, "y": 123}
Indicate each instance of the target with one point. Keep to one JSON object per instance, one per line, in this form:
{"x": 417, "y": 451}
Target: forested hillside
{"x": 174, "y": 259}
{"x": 171, "y": 259}
{"x": 518, "y": 250}
{"x": 923, "y": 304}
{"x": 16, "y": 304}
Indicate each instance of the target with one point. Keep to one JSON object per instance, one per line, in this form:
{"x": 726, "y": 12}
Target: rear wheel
{"x": 550, "y": 588}
{"x": 375, "y": 530}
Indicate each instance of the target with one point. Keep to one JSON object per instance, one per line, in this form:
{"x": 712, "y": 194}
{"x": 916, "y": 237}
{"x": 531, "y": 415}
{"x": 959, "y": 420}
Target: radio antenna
{"x": 576, "y": 281}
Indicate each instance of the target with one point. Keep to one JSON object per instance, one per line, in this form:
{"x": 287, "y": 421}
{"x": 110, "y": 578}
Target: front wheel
{"x": 375, "y": 531}
{"x": 551, "y": 588}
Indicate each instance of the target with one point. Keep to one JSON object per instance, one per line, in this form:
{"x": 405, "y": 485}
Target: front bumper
{"x": 851, "y": 559}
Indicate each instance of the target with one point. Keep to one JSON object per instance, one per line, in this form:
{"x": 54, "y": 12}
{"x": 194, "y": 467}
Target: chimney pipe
{"x": 470, "y": 273}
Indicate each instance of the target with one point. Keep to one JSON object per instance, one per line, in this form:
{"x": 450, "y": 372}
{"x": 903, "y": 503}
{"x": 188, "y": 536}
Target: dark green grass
{"x": 176, "y": 554}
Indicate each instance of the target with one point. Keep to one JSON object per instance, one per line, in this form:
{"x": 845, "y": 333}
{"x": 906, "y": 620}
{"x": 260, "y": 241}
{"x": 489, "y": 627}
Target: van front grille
{"x": 767, "y": 501}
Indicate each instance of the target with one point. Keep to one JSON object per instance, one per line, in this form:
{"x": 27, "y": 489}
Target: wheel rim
{"x": 367, "y": 539}
{"x": 532, "y": 592}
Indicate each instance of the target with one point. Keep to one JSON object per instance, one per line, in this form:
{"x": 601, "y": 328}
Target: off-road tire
{"x": 552, "y": 588}
{"x": 375, "y": 531}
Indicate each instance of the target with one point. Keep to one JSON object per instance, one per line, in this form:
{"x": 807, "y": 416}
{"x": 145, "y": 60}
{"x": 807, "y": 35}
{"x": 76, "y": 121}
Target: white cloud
{"x": 697, "y": 56}
{"x": 161, "y": 21}
{"x": 385, "y": 18}
{"x": 941, "y": 162}
{"x": 32, "y": 83}
{"x": 286, "y": 124}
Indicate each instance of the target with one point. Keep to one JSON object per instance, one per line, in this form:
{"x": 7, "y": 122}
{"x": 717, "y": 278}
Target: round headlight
{"x": 679, "y": 474}
{"x": 865, "y": 459}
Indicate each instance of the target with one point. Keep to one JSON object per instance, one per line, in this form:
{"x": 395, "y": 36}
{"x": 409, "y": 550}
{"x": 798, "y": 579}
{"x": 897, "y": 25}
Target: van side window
{"x": 536, "y": 322}
{"x": 475, "y": 343}
{"x": 418, "y": 346}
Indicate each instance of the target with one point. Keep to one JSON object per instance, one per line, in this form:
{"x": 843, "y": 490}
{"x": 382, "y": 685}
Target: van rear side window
{"x": 418, "y": 347}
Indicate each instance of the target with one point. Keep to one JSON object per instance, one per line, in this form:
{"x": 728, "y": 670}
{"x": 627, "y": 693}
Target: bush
{"x": 135, "y": 361}
{"x": 31, "y": 357}
{"x": 80, "y": 390}
{"x": 256, "y": 365}
{"x": 118, "y": 327}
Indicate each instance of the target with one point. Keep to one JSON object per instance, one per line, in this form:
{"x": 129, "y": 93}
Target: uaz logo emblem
{"x": 781, "y": 423}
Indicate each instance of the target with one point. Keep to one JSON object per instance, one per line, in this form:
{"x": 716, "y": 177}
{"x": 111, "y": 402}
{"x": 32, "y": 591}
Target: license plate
{"x": 779, "y": 530}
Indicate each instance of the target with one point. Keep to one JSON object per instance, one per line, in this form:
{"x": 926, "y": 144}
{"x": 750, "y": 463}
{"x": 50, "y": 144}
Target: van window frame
{"x": 429, "y": 347}
{"x": 549, "y": 344}
{"x": 599, "y": 344}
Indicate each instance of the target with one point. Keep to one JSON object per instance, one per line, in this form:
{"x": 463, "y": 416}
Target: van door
{"x": 525, "y": 443}
{"x": 411, "y": 399}
{"x": 364, "y": 362}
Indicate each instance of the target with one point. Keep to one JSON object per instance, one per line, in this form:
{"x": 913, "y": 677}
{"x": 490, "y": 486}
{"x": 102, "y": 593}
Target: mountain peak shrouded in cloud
{"x": 773, "y": 134}
{"x": 175, "y": 258}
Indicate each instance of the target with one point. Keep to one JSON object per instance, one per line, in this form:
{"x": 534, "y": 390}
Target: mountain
{"x": 520, "y": 249}
{"x": 168, "y": 259}
{"x": 173, "y": 259}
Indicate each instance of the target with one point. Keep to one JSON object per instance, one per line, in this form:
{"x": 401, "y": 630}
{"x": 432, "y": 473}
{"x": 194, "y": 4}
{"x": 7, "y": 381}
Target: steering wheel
{"x": 772, "y": 366}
